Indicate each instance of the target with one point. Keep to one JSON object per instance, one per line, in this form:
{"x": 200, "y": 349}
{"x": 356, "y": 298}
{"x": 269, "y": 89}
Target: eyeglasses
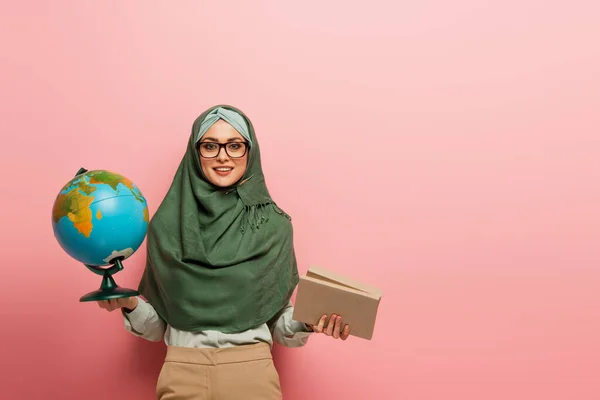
{"x": 233, "y": 149}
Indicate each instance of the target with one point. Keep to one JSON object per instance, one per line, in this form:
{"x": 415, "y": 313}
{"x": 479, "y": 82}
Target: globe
{"x": 100, "y": 218}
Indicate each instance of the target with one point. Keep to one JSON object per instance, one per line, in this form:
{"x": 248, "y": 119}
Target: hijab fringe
{"x": 254, "y": 216}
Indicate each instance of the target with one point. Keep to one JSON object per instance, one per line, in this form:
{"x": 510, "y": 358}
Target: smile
{"x": 223, "y": 171}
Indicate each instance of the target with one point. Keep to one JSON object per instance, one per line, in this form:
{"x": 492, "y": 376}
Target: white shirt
{"x": 145, "y": 322}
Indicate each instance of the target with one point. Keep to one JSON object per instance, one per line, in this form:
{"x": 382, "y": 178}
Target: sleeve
{"x": 288, "y": 332}
{"x": 144, "y": 322}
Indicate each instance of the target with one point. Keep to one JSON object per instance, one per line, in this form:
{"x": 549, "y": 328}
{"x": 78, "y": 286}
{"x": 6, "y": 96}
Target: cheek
{"x": 205, "y": 164}
{"x": 241, "y": 165}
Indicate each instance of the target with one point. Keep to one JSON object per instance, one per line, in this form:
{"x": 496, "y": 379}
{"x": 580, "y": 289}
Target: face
{"x": 223, "y": 170}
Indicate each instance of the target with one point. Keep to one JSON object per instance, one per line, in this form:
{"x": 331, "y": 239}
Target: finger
{"x": 338, "y": 327}
{"x": 122, "y": 302}
{"x": 103, "y": 304}
{"x": 345, "y": 333}
{"x": 330, "y": 324}
{"x": 321, "y": 324}
{"x": 114, "y": 304}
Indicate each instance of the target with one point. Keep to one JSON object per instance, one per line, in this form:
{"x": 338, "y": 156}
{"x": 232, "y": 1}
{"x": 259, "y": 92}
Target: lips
{"x": 223, "y": 171}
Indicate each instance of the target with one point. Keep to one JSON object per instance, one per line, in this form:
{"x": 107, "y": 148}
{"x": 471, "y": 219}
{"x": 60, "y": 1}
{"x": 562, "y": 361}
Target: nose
{"x": 222, "y": 156}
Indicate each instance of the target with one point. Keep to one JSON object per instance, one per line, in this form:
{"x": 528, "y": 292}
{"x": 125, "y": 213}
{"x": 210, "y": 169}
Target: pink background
{"x": 446, "y": 152}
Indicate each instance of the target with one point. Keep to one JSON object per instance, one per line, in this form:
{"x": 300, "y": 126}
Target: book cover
{"x": 322, "y": 291}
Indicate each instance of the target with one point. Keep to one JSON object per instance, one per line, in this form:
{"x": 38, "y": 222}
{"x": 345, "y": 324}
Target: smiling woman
{"x": 223, "y": 154}
{"x": 218, "y": 289}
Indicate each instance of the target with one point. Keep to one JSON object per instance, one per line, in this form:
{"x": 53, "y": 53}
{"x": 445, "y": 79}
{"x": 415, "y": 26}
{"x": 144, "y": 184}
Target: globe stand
{"x": 109, "y": 288}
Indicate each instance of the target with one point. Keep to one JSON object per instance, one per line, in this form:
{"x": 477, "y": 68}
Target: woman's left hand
{"x": 331, "y": 327}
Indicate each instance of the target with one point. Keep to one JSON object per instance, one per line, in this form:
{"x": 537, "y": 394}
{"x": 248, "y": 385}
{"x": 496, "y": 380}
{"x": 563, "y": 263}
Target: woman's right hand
{"x": 127, "y": 303}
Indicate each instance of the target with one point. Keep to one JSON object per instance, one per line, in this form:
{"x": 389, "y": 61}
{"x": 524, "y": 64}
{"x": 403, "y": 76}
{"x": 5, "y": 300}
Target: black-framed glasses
{"x": 233, "y": 149}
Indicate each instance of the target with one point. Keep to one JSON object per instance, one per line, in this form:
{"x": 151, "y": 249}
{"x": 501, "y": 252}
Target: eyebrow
{"x": 211, "y": 139}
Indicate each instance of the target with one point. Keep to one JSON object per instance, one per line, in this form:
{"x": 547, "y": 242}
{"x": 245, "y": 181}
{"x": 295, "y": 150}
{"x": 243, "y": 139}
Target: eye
{"x": 209, "y": 146}
{"x": 235, "y": 146}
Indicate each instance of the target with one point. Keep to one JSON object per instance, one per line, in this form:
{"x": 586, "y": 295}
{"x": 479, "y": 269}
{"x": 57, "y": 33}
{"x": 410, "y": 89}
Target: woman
{"x": 220, "y": 271}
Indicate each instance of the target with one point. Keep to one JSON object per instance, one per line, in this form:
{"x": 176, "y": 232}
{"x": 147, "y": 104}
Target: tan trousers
{"x": 237, "y": 373}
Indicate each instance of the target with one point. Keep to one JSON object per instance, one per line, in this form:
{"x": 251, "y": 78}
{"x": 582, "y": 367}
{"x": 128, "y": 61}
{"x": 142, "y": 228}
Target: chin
{"x": 223, "y": 182}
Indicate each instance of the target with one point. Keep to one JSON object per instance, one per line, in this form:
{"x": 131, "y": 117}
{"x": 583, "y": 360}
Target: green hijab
{"x": 219, "y": 258}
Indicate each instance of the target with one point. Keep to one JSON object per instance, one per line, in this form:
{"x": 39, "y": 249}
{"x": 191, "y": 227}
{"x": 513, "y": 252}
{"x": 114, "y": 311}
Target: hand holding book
{"x": 330, "y": 303}
{"x": 331, "y": 327}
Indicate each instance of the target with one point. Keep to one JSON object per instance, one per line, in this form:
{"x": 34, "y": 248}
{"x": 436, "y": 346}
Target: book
{"x": 323, "y": 291}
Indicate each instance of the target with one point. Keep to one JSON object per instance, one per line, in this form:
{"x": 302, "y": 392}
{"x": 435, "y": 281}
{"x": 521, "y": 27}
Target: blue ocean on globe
{"x": 100, "y": 216}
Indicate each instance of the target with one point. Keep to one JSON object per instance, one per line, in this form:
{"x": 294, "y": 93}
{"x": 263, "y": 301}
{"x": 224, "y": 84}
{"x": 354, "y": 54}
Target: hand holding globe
{"x": 100, "y": 218}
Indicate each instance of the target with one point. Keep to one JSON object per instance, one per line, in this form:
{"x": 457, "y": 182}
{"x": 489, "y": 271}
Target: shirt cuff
{"x": 298, "y": 327}
{"x": 136, "y": 319}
